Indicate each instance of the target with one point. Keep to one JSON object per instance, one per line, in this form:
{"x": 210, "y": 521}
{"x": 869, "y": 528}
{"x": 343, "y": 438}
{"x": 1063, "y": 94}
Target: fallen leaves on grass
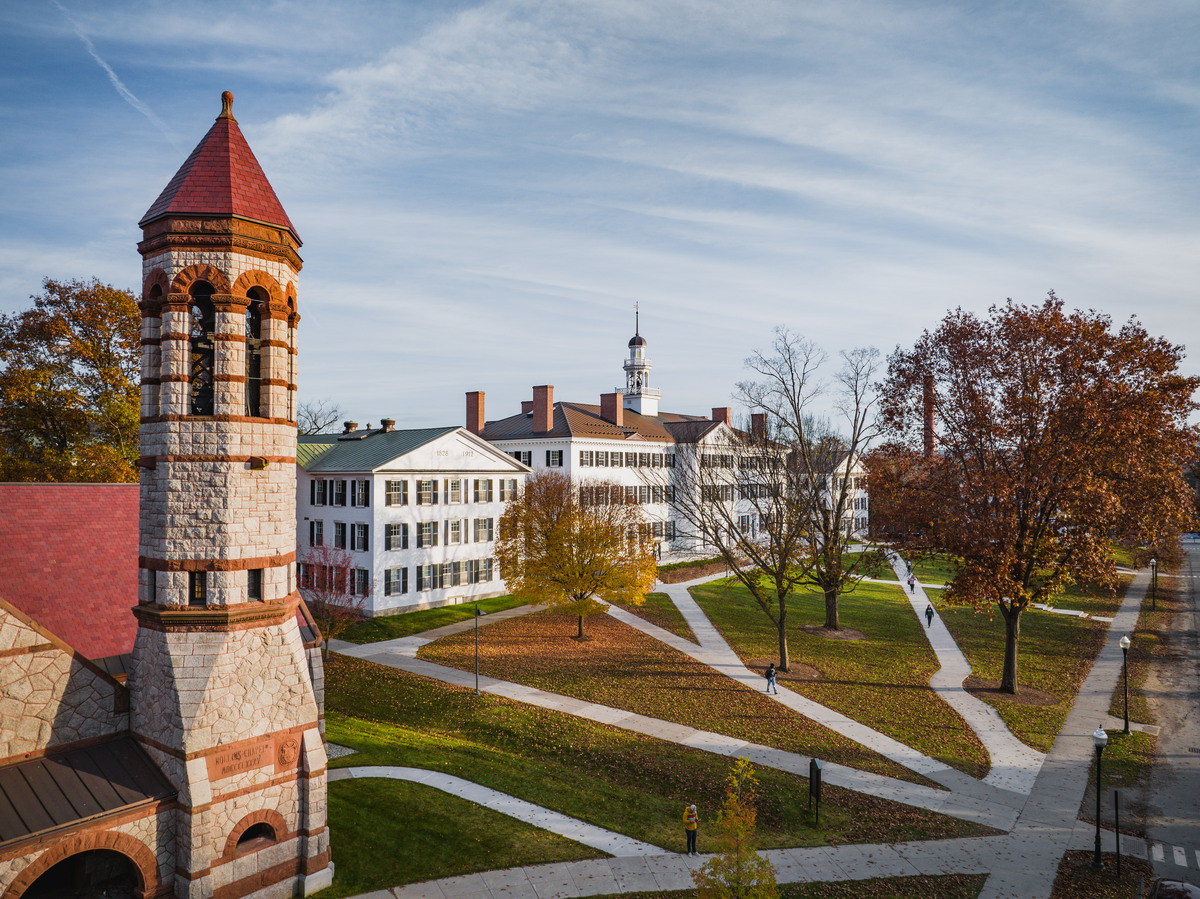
{"x": 623, "y": 668}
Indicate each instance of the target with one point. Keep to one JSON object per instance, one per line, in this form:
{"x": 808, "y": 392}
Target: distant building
{"x": 623, "y": 440}
{"x": 412, "y": 514}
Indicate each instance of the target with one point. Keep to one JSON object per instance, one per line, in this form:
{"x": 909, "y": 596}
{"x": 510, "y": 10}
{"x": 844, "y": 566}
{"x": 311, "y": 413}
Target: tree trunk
{"x": 579, "y": 636}
{"x": 783, "y": 650}
{"x": 1012, "y": 636}
{"x": 831, "y": 610}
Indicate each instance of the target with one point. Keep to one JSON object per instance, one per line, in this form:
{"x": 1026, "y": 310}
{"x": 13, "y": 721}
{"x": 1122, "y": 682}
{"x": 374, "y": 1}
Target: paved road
{"x": 1173, "y": 798}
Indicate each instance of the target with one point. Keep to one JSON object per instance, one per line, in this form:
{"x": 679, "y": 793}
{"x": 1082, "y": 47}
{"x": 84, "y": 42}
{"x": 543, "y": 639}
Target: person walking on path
{"x": 912, "y": 584}
{"x": 691, "y": 824}
{"x": 771, "y": 679}
{"x": 929, "y": 615}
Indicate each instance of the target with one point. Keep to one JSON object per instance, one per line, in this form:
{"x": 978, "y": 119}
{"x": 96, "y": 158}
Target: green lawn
{"x": 612, "y": 778}
{"x": 928, "y": 569}
{"x": 1055, "y": 653}
{"x": 881, "y": 680}
{"x": 621, "y": 667}
{"x": 390, "y": 832}
{"x": 389, "y": 627}
{"x": 659, "y": 610}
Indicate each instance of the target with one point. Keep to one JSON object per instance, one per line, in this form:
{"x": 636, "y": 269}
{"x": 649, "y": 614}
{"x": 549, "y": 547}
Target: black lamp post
{"x": 1100, "y": 738}
{"x": 1154, "y": 585}
{"x": 477, "y": 615}
{"x": 1125, "y": 667}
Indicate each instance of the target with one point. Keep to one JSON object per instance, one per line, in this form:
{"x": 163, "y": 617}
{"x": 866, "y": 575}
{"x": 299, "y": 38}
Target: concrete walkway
{"x": 1015, "y": 766}
{"x": 615, "y": 844}
{"x": 972, "y": 802}
{"x": 1049, "y": 818}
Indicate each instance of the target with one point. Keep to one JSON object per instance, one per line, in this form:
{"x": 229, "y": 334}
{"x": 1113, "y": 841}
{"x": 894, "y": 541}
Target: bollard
{"x": 814, "y": 789}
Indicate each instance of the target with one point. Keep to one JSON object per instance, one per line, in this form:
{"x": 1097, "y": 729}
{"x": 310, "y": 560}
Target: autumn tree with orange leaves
{"x": 1056, "y": 434}
{"x": 69, "y": 385}
{"x": 573, "y": 546}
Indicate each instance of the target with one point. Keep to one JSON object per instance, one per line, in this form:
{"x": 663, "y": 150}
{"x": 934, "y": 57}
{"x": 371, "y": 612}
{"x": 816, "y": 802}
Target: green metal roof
{"x": 325, "y": 452}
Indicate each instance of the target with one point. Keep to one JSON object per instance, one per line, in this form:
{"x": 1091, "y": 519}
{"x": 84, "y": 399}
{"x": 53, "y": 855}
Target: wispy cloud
{"x": 126, "y": 94}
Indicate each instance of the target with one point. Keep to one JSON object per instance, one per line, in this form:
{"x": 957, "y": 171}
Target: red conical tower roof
{"x": 221, "y": 177}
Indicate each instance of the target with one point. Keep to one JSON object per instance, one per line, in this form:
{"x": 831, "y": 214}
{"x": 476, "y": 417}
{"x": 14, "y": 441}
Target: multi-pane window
{"x": 615, "y": 459}
{"x": 508, "y": 489}
{"x": 478, "y": 571}
{"x": 339, "y": 535}
{"x": 643, "y": 460}
{"x": 744, "y": 524}
{"x": 360, "y": 537}
{"x": 669, "y": 460}
{"x": 316, "y": 533}
{"x": 601, "y": 458}
{"x": 395, "y": 493}
{"x": 631, "y": 460}
{"x": 656, "y": 529}
{"x": 484, "y": 529}
{"x": 427, "y": 493}
{"x": 669, "y": 493}
{"x": 643, "y": 494}
{"x": 395, "y": 581}
{"x": 395, "y": 536}
{"x": 483, "y": 490}
{"x": 427, "y": 534}
{"x": 455, "y": 532}
{"x": 554, "y": 458}
{"x": 451, "y": 574}
{"x": 453, "y": 490}
{"x": 429, "y": 577}
{"x": 318, "y": 492}
{"x": 631, "y": 494}
{"x": 586, "y": 458}
{"x": 656, "y": 494}
{"x": 337, "y": 492}
{"x": 525, "y": 457}
{"x": 360, "y": 493}
{"x": 360, "y": 582}
{"x": 197, "y": 588}
{"x": 669, "y": 530}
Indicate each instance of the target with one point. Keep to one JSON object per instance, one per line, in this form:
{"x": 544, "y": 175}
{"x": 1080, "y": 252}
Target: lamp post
{"x": 1100, "y": 738}
{"x": 1125, "y": 667}
{"x": 1154, "y": 585}
{"x": 477, "y": 614}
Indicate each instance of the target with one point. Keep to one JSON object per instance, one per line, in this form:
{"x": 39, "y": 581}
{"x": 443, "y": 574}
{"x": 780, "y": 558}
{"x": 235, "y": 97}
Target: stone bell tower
{"x": 220, "y": 690}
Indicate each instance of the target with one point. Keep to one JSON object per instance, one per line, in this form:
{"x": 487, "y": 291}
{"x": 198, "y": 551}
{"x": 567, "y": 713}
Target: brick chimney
{"x": 387, "y": 424}
{"x": 475, "y": 411}
{"x": 723, "y": 413}
{"x": 928, "y": 406}
{"x": 543, "y": 409}
{"x": 526, "y": 406}
{"x": 612, "y": 409}
{"x": 758, "y": 425}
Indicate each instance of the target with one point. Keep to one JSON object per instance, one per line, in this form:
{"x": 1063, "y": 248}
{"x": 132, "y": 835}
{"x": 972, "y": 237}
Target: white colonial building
{"x": 412, "y": 514}
{"x": 624, "y": 440}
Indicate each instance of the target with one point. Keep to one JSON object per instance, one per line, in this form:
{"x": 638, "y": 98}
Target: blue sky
{"x": 485, "y": 189}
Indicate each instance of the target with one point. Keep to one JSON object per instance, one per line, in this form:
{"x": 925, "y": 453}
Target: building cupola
{"x": 639, "y": 396}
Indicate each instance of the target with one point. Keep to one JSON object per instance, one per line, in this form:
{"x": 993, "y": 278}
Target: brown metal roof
{"x": 47, "y": 793}
{"x": 582, "y": 420}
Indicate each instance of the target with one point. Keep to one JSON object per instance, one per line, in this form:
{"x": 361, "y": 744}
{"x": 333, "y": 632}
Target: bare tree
{"x": 828, "y": 458}
{"x": 315, "y": 416}
{"x": 334, "y": 590}
{"x": 776, "y": 501}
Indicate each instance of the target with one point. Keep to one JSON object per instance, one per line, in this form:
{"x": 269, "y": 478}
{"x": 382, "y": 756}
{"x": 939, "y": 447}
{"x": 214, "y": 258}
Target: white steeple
{"x": 640, "y": 397}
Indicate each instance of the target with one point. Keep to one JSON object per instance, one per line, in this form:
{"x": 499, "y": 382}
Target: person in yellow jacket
{"x": 691, "y": 824}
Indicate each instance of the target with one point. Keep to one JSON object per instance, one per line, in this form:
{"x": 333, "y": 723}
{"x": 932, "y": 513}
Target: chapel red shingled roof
{"x": 221, "y": 177}
{"x": 69, "y": 560}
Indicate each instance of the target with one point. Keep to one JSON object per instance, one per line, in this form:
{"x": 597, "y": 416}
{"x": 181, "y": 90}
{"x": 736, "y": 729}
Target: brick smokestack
{"x": 526, "y": 406}
{"x": 723, "y": 413}
{"x": 543, "y": 409}
{"x": 612, "y": 409}
{"x": 927, "y": 408}
{"x": 475, "y": 411}
{"x": 758, "y": 425}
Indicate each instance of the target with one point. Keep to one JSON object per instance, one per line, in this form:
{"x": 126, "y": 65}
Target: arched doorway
{"x": 94, "y": 874}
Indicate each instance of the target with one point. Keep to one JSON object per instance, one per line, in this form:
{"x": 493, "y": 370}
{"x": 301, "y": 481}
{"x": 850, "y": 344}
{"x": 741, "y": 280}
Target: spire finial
{"x": 226, "y": 105}
{"x": 636, "y": 320}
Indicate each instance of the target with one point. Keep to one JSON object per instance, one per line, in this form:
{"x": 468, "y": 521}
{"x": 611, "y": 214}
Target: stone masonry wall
{"x": 48, "y": 696}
